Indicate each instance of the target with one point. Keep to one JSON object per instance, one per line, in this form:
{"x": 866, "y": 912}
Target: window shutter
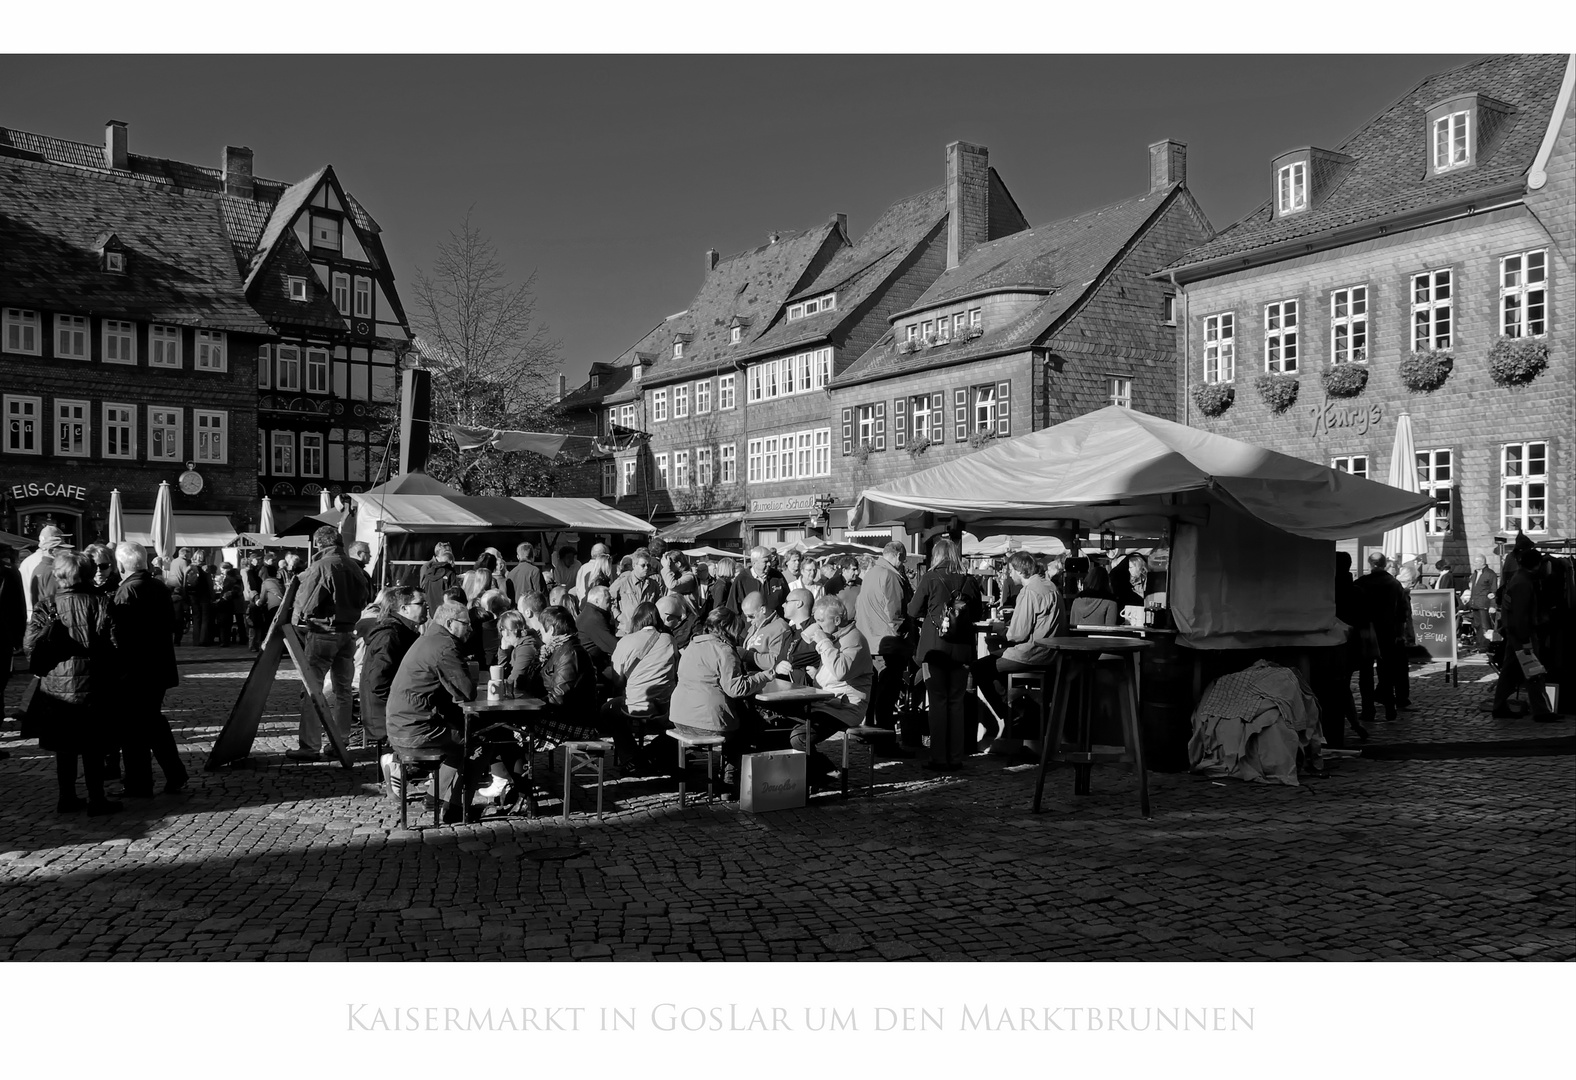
{"x": 848, "y": 432}
{"x": 900, "y": 423}
{"x": 960, "y": 414}
{"x": 1004, "y": 409}
{"x": 880, "y": 425}
{"x": 938, "y": 417}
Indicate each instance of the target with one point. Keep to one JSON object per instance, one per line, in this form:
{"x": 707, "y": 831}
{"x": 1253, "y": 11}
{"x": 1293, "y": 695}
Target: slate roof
{"x": 1390, "y": 172}
{"x": 289, "y": 204}
{"x": 1062, "y": 260}
{"x": 181, "y": 264}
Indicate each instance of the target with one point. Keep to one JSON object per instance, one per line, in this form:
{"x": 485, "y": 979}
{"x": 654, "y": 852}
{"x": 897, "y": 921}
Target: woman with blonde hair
{"x": 947, "y": 603}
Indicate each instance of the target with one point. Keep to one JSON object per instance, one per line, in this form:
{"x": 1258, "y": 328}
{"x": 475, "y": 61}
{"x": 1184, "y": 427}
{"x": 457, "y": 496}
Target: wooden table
{"x": 502, "y": 711}
{"x": 783, "y": 692}
{"x": 1084, "y": 651}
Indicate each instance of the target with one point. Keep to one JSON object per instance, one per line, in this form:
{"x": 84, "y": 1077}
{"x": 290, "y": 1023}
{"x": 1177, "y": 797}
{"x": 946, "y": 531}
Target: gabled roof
{"x": 1061, "y": 260}
{"x": 284, "y": 212}
{"x": 182, "y": 268}
{"x": 1390, "y": 170}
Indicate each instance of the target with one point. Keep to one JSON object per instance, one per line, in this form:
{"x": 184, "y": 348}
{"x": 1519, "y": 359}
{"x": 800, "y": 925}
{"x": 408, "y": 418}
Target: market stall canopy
{"x": 706, "y": 527}
{"x": 264, "y": 540}
{"x": 193, "y": 528}
{"x": 1117, "y": 467}
{"x": 828, "y": 548}
{"x": 711, "y": 553}
{"x": 310, "y": 523}
{"x": 588, "y": 515}
{"x": 454, "y": 513}
{"x": 13, "y": 540}
{"x": 410, "y": 483}
{"x": 974, "y": 547}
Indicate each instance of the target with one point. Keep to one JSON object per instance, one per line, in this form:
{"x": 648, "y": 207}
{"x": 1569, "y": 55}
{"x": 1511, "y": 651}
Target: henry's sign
{"x": 1333, "y": 415}
{"x": 49, "y": 490}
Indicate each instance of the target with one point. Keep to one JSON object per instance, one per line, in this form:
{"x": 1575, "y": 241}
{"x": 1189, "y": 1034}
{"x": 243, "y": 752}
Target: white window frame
{"x": 164, "y": 346}
{"x": 22, "y": 332}
{"x": 865, "y": 425}
{"x": 297, "y": 288}
{"x": 1281, "y": 336}
{"x": 1220, "y": 347}
{"x": 115, "y": 261}
{"x": 1520, "y": 295}
{"x": 752, "y": 457}
{"x": 1435, "y": 470}
{"x": 316, "y": 361}
{"x": 361, "y": 297}
{"x": 309, "y": 444}
{"x": 1526, "y": 485}
{"x": 1455, "y": 149}
{"x": 1291, "y": 187}
{"x": 735, "y": 334}
{"x": 1349, "y": 325}
{"x": 982, "y": 402}
{"x": 211, "y": 436}
{"x": 118, "y": 339}
{"x": 1434, "y": 310}
{"x": 287, "y": 358}
{"x": 822, "y": 438}
{"x": 626, "y": 415}
{"x": 786, "y": 376}
{"x": 769, "y": 459}
{"x": 681, "y": 401}
{"x": 169, "y": 424}
{"x": 681, "y": 471}
{"x": 341, "y": 293}
{"x": 659, "y": 406}
{"x": 282, "y": 441}
{"x": 1168, "y": 309}
{"x": 728, "y": 463}
{"x": 703, "y": 397}
{"x": 24, "y": 422}
{"x": 71, "y": 338}
{"x": 1355, "y": 464}
{"x": 83, "y": 415}
{"x": 703, "y": 466}
{"x": 213, "y": 351}
{"x": 678, "y": 350}
{"x": 1120, "y": 389}
{"x": 919, "y": 407}
{"x": 628, "y": 477}
{"x": 911, "y": 332}
{"x": 803, "y": 454}
{"x": 726, "y": 398}
{"x": 609, "y": 479}
{"x": 119, "y": 420}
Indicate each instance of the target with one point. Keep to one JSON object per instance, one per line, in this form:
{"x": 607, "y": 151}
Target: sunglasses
{"x": 102, "y": 566}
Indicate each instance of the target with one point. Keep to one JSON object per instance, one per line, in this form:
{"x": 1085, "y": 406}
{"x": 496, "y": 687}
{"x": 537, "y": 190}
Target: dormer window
{"x": 735, "y": 335}
{"x": 115, "y": 262}
{"x": 1291, "y": 188}
{"x": 678, "y": 349}
{"x": 298, "y": 289}
{"x": 1463, "y": 130}
{"x": 806, "y": 308}
{"x": 1451, "y": 148}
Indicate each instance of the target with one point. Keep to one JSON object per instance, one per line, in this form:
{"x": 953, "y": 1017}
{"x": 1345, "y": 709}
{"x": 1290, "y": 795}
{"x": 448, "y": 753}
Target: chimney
{"x": 115, "y": 144}
{"x": 238, "y": 171}
{"x": 842, "y": 225}
{"x": 415, "y": 416}
{"x": 711, "y": 259}
{"x": 773, "y": 236}
{"x": 563, "y": 386}
{"x": 968, "y": 199}
{"x": 1167, "y": 164}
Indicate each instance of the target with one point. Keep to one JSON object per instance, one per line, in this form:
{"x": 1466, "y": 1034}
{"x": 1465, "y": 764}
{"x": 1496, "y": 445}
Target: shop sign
{"x": 783, "y": 503}
{"x": 49, "y": 490}
{"x": 1330, "y": 416}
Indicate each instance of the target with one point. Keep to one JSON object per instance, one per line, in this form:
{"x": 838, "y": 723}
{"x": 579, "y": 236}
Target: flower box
{"x": 1426, "y": 371}
{"x": 1517, "y": 361}
{"x": 1344, "y": 380}
{"x": 1279, "y": 391}
{"x": 1214, "y": 398}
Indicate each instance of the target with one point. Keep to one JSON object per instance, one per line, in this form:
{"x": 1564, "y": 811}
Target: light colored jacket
{"x": 629, "y": 593}
{"x": 768, "y": 644}
{"x": 847, "y": 671}
{"x": 883, "y": 598}
{"x": 710, "y": 678}
{"x": 647, "y": 662}
{"x": 1037, "y": 615}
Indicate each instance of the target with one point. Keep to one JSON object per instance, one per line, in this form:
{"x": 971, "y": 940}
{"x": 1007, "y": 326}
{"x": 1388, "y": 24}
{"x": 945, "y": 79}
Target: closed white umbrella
{"x": 1405, "y": 541}
{"x": 265, "y": 518}
{"x": 117, "y": 528}
{"x": 325, "y": 505}
{"x": 163, "y": 531}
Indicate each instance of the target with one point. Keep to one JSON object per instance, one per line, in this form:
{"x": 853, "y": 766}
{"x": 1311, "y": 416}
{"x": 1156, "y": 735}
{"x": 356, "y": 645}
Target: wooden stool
{"x": 585, "y": 759}
{"x": 865, "y": 735}
{"x": 712, "y": 744}
{"x": 421, "y": 761}
{"x": 1077, "y": 658}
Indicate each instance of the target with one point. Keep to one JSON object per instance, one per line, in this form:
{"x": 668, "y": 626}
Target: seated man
{"x": 767, "y": 637}
{"x": 1036, "y": 616}
{"x": 424, "y": 700}
{"x": 680, "y": 617}
{"x": 798, "y": 609}
{"x": 845, "y": 669}
{"x": 594, "y": 633}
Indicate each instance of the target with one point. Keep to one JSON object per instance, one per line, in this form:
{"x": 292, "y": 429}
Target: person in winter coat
{"x": 520, "y": 648}
{"x": 948, "y": 604}
{"x": 879, "y": 612}
{"x": 425, "y": 699}
{"x": 270, "y": 594}
{"x": 142, "y": 617}
{"x": 525, "y": 578}
{"x": 1095, "y": 604}
{"x": 1518, "y": 622}
{"x": 71, "y": 647}
{"x": 387, "y": 642}
{"x": 714, "y": 686}
{"x": 436, "y": 576}
{"x": 843, "y": 667}
{"x": 645, "y": 666}
{"x": 1481, "y": 588}
{"x": 568, "y": 680}
{"x": 594, "y": 625}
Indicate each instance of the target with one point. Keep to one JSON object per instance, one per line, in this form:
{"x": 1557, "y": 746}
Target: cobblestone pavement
{"x": 1462, "y": 858}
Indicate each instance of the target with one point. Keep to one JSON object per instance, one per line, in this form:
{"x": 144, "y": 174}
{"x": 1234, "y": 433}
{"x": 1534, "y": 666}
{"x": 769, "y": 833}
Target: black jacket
{"x": 523, "y": 666}
{"x": 932, "y": 600}
{"x": 13, "y": 610}
{"x": 596, "y": 638}
{"x": 386, "y": 645}
{"x": 144, "y": 621}
{"x": 434, "y": 579}
{"x": 1386, "y": 603}
{"x": 76, "y": 655}
{"x": 569, "y": 682}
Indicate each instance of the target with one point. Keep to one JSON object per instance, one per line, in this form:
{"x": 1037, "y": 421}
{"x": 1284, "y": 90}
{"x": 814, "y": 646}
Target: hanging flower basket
{"x": 1215, "y": 398}
{"x": 861, "y": 453}
{"x": 1344, "y": 380}
{"x": 918, "y": 447}
{"x": 1424, "y": 372}
{"x": 1278, "y": 391}
{"x": 972, "y": 331}
{"x": 980, "y": 437}
{"x": 1517, "y": 361}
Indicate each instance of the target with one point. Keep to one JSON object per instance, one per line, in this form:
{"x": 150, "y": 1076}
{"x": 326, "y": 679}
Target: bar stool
{"x": 711, "y": 744}
{"x": 1076, "y": 659}
{"x": 585, "y": 758}
{"x": 417, "y": 762}
{"x": 865, "y": 735}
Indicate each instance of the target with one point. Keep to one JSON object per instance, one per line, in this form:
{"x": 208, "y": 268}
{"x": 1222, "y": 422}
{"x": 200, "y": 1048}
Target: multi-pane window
{"x": 210, "y": 350}
{"x": 1280, "y": 336}
{"x": 120, "y": 342}
{"x": 71, "y": 337}
{"x": 984, "y": 418}
{"x": 703, "y": 397}
{"x": 1451, "y": 148}
{"x": 311, "y": 453}
{"x": 1349, "y": 325}
{"x": 1431, "y": 314}
{"x": 662, "y": 470}
{"x": 164, "y": 434}
{"x": 21, "y": 425}
{"x": 627, "y": 476}
{"x": 728, "y": 456}
{"x": 1433, "y": 480}
{"x": 71, "y": 428}
{"x": 612, "y": 420}
{"x": 164, "y": 346}
{"x": 325, "y": 232}
{"x": 920, "y": 418}
{"x": 724, "y": 391}
{"x": 703, "y": 466}
{"x": 363, "y": 299}
{"x": 796, "y": 374}
{"x": 1121, "y": 391}
{"x": 317, "y": 371}
{"x": 210, "y": 429}
{"x": 609, "y": 478}
{"x": 804, "y": 463}
{"x": 1220, "y": 348}
{"x": 21, "y": 331}
{"x": 823, "y": 452}
{"x": 1523, "y": 293}
{"x": 680, "y": 402}
{"x": 341, "y": 289}
{"x": 120, "y": 430}
{"x": 1291, "y": 187}
{"x": 866, "y": 434}
{"x": 659, "y": 406}
{"x": 282, "y": 444}
{"x": 681, "y": 473}
{"x": 769, "y": 458}
{"x": 287, "y": 373}
{"x": 1356, "y": 464}
{"x": 794, "y": 455}
{"x": 1524, "y": 482}
{"x": 812, "y": 307}
{"x": 626, "y": 415}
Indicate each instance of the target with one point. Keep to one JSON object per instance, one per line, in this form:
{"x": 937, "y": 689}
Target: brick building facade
{"x": 1443, "y": 224}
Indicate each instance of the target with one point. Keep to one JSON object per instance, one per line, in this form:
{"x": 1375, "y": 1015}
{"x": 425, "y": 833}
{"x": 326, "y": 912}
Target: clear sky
{"x": 610, "y": 176}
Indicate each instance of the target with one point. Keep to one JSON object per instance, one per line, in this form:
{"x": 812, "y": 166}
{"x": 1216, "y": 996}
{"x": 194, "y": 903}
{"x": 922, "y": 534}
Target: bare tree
{"x": 493, "y": 362}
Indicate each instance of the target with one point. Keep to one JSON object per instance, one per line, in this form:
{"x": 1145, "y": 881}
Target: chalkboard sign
{"x": 1434, "y": 618}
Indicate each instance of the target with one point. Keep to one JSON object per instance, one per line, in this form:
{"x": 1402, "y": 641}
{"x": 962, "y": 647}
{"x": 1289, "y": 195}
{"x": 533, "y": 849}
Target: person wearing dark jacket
{"x": 760, "y": 577}
{"x": 1481, "y": 589}
{"x": 520, "y": 650}
{"x": 1387, "y": 611}
{"x": 524, "y": 579}
{"x": 568, "y": 679}
{"x": 424, "y": 706}
{"x": 143, "y": 618}
{"x": 946, "y": 596}
{"x": 436, "y": 576}
{"x": 70, "y": 644}
{"x": 387, "y": 642}
{"x": 13, "y": 616}
{"x": 1351, "y": 607}
{"x": 329, "y": 598}
{"x": 1518, "y": 622}
{"x": 594, "y": 629}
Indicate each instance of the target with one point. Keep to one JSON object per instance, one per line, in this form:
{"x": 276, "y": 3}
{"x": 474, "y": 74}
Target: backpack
{"x": 961, "y": 613}
{"x": 192, "y": 585}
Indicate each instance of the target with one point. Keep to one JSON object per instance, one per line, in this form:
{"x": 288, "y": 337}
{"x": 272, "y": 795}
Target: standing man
{"x": 38, "y": 569}
{"x": 199, "y": 597}
{"x": 436, "y": 576}
{"x": 1387, "y": 611}
{"x": 1481, "y": 588}
{"x": 754, "y": 580}
{"x": 525, "y": 578}
{"x": 636, "y": 586}
{"x": 329, "y": 600}
{"x": 142, "y": 616}
{"x": 360, "y": 554}
{"x": 1518, "y": 621}
{"x": 583, "y": 573}
{"x": 884, "y": 594}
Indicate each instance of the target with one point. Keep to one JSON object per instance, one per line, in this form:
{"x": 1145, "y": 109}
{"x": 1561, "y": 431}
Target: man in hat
{"x": 38, "y": 569}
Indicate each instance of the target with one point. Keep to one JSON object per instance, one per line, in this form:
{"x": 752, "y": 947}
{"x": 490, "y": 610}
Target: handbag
{"x": 1530, "y": 665}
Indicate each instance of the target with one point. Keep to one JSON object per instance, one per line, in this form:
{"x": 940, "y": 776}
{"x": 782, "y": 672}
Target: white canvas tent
{"x": 1253, "y": 555}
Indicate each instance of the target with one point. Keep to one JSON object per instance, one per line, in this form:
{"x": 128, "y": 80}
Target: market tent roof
{"x": 308, "y": 524}
{"x": 1117, "y": 467}
{"x": 700, "y": 528}
{"x": 454, "y": 513}
{"x": 588, "y": 515}
{"x": 410, "y": 483}
{"x": 194, "y": 528}
{"x": 8, "y": 539}
{"x": 711, "y": 553}
{"x": 828, "y": 548}
{"x": 263, "y": 540}
{"x": 973, "y": 546}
